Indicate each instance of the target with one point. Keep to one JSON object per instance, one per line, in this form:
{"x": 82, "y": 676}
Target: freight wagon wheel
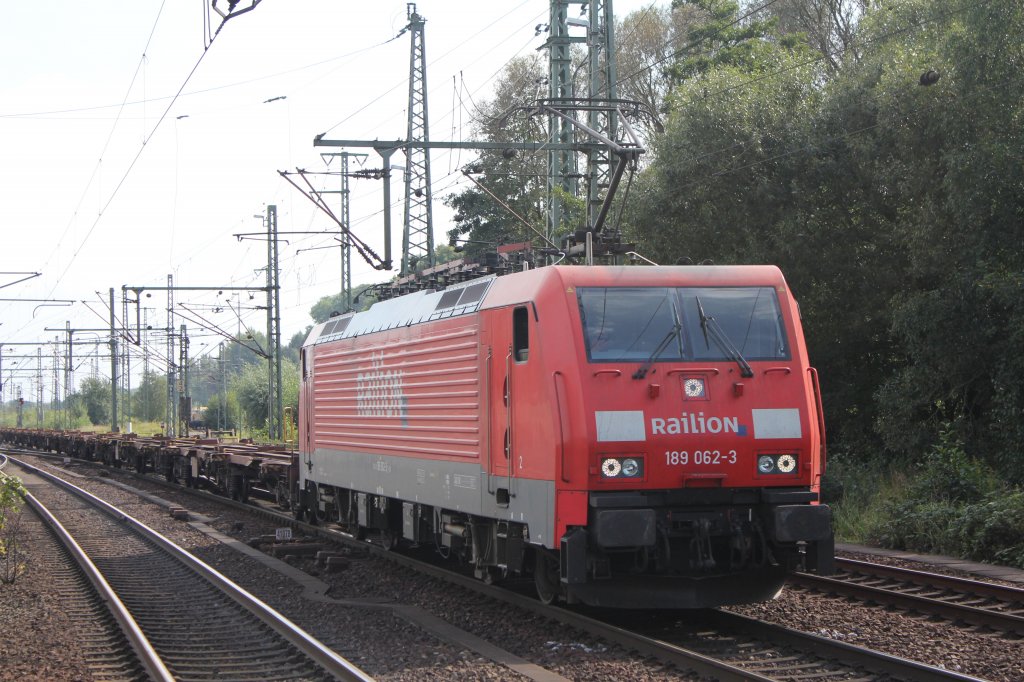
{"x": 238, "y": 486}
{"x": 545, "y": 576}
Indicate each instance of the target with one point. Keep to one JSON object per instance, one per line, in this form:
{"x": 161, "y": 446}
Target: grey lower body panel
{"x": 446, "y": 484}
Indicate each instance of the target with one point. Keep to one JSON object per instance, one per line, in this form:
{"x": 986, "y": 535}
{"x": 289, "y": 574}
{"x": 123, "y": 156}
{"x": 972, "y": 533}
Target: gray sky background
{"x": 107, "y": 180}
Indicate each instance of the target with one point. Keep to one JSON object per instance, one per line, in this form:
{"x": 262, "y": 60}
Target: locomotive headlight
{"x": 611, "y": 467}
{"x": 786, "y": 463}
{"x": 776, "y": 464}
{"x": 630, "y": 467}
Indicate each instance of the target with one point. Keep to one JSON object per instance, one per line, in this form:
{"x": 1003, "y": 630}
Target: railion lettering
{"x": 695, "y": 423}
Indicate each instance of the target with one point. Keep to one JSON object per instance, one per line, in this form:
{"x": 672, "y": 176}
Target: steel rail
{"x": 140, "y": 644}
{"x": 678, "y": 656}
{"x": 930, "y": 579}
{"x": 874, "y": 661}
{"x": 681, "y": 657}
{"x": 997, "y": 620}
{"x": 334, "y": 664}
{"x": 869, "y": 659}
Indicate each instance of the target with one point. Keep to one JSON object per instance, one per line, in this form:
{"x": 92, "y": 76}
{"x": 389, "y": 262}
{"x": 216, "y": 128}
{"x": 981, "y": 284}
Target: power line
{"x": 847, "y": 135}
{"x": 110, "y": 136}
{"x": 695, "y": 43}
{"x": 433, "y": 61}
{"x": 772, "y": 74}
{"x": 142, "y": 148}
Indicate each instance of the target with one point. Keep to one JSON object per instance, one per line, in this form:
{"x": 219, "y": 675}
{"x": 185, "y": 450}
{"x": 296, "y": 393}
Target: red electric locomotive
{"x": 632, "y": 436}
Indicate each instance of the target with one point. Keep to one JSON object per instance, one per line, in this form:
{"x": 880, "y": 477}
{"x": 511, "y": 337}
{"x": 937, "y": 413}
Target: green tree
{"x": 363, "y": 298}
{"x": 956, "y": 166}
{"x": 517, "y": 178}
{"x": 94, "y": 394}
{"x": 295, "y": 344}
{"x": 719, "y": 37}
{"x": 251, "y": 389}
{"x": 647, "y": 41}
{"x": 828, "y": 27}
{"x": 328, "y": 305}
{"x": 222, "y": 411}
{"x": 891, "y": 194}
{"x": 149, "y": 400}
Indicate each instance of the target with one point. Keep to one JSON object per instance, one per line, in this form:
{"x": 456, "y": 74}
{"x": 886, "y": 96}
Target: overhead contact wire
{"x": 131, "y": 166}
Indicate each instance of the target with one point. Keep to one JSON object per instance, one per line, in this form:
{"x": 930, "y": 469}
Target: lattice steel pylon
{"x": 597, "y": 16}
{"x": 418, "y": 228}
{"x": 346, "y": 246}
{"x": 39, "y": 387}
{"x": 171, "y": 410}
{"x": 562, "y": 169}
{"x": 602, "y": 86}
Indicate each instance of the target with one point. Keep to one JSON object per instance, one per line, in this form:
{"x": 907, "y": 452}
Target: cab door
{"x": 306, "y": 406}
{"x": 506, "y": 357}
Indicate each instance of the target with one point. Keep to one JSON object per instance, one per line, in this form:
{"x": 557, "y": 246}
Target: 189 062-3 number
{"x": 685, "y": 457}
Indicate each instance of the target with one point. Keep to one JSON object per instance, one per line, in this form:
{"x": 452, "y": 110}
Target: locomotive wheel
{"x": 493, "y": 575}
{"x": 545, "y": 576}
{"x": 388, "y": 540}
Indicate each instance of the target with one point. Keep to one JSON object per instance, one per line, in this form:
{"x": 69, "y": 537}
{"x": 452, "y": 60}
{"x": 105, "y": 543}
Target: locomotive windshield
{"x": 647, "y": 324}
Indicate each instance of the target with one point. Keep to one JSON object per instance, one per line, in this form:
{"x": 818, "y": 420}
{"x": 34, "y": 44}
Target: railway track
{"x": 724, "y": 647}
{"x": 103, "y": 644}
{"x": 183, "y": 619}
{"x": 764, "y": 651}
{"x": 997, "y": 608}
{"x": 712, "y": 644}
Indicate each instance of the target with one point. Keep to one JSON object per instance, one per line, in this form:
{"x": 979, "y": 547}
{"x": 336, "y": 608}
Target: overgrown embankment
{"x": 949, "y": 503}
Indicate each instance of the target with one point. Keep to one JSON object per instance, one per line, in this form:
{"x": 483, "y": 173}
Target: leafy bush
{"x": 949, "y": 475}
{"x": 950, "y": 503}
{"x": 858, "y": 490}
{"x": 920, "y": 526}
{"x": 994, "y": 530}
{"x": 11, "y": 565}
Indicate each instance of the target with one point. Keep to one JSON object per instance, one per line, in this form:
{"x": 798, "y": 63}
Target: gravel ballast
{"x": 390, "y": 647}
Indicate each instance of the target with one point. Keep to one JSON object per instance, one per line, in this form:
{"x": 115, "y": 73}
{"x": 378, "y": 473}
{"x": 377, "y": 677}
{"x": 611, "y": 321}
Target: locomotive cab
{"x": 705, "y": 456}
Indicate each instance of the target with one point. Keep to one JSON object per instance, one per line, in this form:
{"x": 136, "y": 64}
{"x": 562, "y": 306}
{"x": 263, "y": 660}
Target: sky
{"x": 133, "y": 148}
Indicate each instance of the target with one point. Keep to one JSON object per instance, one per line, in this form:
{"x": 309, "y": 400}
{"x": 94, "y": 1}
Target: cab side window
{"x": 521, "y": 334}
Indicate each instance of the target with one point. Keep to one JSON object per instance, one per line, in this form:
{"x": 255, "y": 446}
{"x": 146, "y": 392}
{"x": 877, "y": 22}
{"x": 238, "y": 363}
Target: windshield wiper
{"x": 703, "y": 322}
{"x": 673, "y": 333}
{"x": 718, "y": 335}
